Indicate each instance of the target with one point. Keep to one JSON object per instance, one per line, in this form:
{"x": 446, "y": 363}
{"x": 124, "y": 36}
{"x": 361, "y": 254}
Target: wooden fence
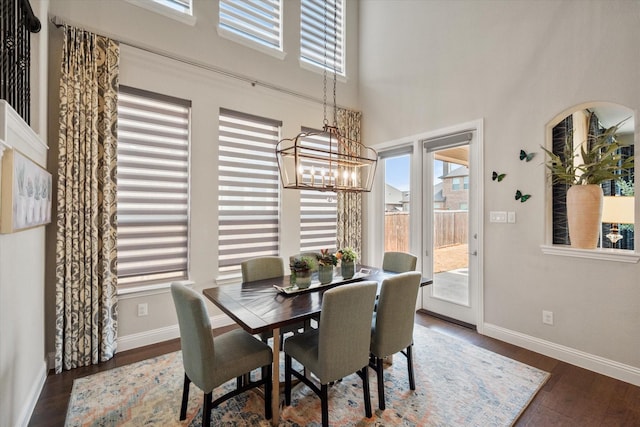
{"x": 450, "y": 229}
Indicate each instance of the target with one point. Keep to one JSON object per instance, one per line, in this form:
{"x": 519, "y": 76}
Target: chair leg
{"x": 412, "y": 382}
{"x": 367, "y": 394}
{"x": 287, "y": 379}
{"x": 266, "y": 374}
{"x": 324, "y": 404}
{"x": 206, "y": 409}
{"x": 380, "y": 373}
{"x": 185, "y": 398}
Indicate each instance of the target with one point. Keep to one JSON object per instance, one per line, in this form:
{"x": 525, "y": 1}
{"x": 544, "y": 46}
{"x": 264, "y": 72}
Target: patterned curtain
{"x": 86, "y": 304}
{"x": 349, "y": 204}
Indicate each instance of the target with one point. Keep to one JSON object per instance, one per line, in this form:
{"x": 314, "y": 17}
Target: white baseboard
{"x": 611, "y": 368}
{"x": 129, "y": 342}
{"x": 32, "y": 398}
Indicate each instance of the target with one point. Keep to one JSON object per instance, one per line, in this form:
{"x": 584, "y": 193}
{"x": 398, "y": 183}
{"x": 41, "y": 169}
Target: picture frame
{"x": 25, "y": 194}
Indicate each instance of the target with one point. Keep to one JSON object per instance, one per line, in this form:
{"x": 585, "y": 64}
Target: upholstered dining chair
{"x": 399, "y": 262}
{"x": 340, "y": 345}
{"x": 392, "y": 326}
{"x": 262, "y": 268}
{"x": 211, "y": 361}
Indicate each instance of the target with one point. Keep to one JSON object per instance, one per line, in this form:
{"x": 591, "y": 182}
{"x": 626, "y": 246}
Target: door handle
{"x": 474, "y": 253}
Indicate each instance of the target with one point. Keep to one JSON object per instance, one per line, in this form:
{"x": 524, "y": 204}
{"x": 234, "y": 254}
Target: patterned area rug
{"x": 458, "y": 384}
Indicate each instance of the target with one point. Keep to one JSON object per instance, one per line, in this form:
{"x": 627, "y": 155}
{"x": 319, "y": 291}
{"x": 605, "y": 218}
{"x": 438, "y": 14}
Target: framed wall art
{"x": 25, "y": 193}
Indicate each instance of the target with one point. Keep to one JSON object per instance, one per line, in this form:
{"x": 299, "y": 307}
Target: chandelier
{"x": 327, "y": 160}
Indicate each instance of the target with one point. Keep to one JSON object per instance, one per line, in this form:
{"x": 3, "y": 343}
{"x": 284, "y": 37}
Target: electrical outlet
{"x": 547, "y": 317}
{"x": 143, "y": 309}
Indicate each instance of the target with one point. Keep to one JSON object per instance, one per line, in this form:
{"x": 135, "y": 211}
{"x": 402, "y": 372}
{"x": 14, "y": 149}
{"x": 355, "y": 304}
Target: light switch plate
{"x": 497, "y": 216}
{"x": 511, "y": 217}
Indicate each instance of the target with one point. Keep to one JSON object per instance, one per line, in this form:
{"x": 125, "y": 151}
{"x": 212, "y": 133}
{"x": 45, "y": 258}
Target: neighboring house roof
{"x": 461, "y": 171}
{"x": 392, "y": 195}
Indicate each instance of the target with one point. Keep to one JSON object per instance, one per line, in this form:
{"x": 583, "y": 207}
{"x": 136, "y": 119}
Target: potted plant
{"x": 326, "y": 262}
{"x": 302, "y": 268}
{"x": 347, "y": 257}
{"x": 599, "y": 161}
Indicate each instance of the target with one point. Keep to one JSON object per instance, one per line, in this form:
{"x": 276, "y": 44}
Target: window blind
{"x": 256, "y": 20}
{"x": 153, "y": 187}
{"x": 313, "y": 46}
{"x": 318, "y": 210}
{"x": 248, "y": 189}
{"x": 183, "y": 6}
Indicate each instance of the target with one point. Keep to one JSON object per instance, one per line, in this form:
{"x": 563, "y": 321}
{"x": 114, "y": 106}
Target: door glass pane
{"x": 396, "y": 203}
{"x": 451, "y": 225}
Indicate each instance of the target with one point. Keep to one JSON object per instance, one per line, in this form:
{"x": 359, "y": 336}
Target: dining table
{"x": 270, "y": 304}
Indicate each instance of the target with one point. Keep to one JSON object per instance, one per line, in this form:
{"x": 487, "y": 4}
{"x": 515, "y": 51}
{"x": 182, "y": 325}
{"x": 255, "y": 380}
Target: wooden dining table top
{"x": 258, "y": 306}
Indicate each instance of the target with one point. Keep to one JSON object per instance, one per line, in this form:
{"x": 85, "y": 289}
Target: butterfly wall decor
{"x": 498, "y": 176}
{"x": 526, "y": 156}
{"x": 522, "y": 197}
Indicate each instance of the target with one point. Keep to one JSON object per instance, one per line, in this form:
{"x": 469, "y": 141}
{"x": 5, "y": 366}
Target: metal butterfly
{"x": 522, "y": 197}
{"x": 526, "y": 156}
{"x": 498, "y": 176}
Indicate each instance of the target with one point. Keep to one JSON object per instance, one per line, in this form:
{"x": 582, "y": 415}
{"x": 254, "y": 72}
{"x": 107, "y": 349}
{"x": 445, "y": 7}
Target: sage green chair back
{"x": 399, "y": 262}
{"x": 340, "y": 345}
{"x": 210, "y": 362}
{"x": 261, "y": 268}
{"x": 392, "y": 329}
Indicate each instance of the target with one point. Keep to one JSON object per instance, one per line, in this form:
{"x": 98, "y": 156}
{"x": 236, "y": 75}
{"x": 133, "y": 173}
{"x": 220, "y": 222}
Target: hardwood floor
{"x": 572, "y": 397}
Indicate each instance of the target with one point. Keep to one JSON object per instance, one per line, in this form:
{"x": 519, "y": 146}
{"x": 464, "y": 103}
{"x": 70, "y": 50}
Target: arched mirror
{"x": 583, "y": 127}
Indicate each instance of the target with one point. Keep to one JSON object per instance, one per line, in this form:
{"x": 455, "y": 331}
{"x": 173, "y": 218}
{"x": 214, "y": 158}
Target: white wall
{"x": 208, "y": 92}
{"x": 22, "y": 261}
{"x": 516, "y": 64}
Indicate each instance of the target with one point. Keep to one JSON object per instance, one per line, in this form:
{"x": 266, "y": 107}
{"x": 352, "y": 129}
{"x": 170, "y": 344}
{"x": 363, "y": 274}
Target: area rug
{"x": 458, "y": 384}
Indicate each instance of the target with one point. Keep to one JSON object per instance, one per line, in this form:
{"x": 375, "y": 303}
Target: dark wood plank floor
{"x": 572, "y": 397}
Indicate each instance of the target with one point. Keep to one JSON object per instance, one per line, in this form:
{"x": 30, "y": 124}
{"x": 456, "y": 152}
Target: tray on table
{"x": 316, "y": 285}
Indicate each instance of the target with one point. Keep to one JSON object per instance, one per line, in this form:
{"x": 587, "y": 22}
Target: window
{"x": 397, "y": 182}
{"x": 258, "y": 21}
{"x": 318, "y": 210}
{"x": 582, "y": 127}
{"x": 316, "y": 44}
{"x": 248, "y": 190}
{"x": 456, "y": 184}
{"x": 183, "y": 6}
{"x": 153, "y": 187}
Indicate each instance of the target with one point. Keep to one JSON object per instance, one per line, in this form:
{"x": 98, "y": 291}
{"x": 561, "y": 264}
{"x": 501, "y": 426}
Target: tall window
{"x": 316, "y": 44}
{"x": 397, "y": 182}
{"x": 153, "y": 187}
{"x": 318, "y": 210}
{"x": 259, "y": 21}
{"x": 248, "y": 189}
{"x": 183, "y": 6}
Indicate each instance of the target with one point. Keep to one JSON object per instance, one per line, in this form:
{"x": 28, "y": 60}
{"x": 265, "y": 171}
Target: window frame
{"x": 318, "y": 63}
{"x": 136, "y": 142}
{"x": 239, "y": 36}
{"x": 266, "y": 194}
{"x": 158, "y": 7}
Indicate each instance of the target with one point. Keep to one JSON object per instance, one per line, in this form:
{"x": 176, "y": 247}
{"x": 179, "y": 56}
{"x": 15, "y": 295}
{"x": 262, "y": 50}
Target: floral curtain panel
{"x": 350, "y": 204}
{"x": 86, "y": 279}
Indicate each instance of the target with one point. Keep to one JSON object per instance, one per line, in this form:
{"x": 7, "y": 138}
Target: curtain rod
{"x": 60, "y": 23}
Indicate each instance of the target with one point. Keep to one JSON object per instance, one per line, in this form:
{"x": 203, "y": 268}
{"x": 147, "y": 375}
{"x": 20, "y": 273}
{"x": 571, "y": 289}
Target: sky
{"x": 398, "y": 170}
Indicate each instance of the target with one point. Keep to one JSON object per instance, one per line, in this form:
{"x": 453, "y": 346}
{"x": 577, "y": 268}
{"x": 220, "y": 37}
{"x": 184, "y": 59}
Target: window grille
{"x": 248, "y": 190}
{"x": 153, "y": 187}
{"x": 315, "y": 48}
{"x": 257, "y": 20}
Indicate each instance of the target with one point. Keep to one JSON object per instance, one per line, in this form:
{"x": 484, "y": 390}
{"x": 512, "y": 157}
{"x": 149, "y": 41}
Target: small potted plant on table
{"x": 326, "y": 262}
{"x": 347, "y": 257}
{"x": 302, "y": 268}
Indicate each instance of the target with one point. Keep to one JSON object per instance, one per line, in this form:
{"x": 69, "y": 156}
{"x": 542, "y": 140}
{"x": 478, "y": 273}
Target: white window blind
{"x": 153, "y": 187}
{"x": 183, "y": 6}
{"x": 314, "y": 46}
{"x": 318, "y": 210}
{"x": 248, "y": 190}
{"x": 255, "y": 20}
